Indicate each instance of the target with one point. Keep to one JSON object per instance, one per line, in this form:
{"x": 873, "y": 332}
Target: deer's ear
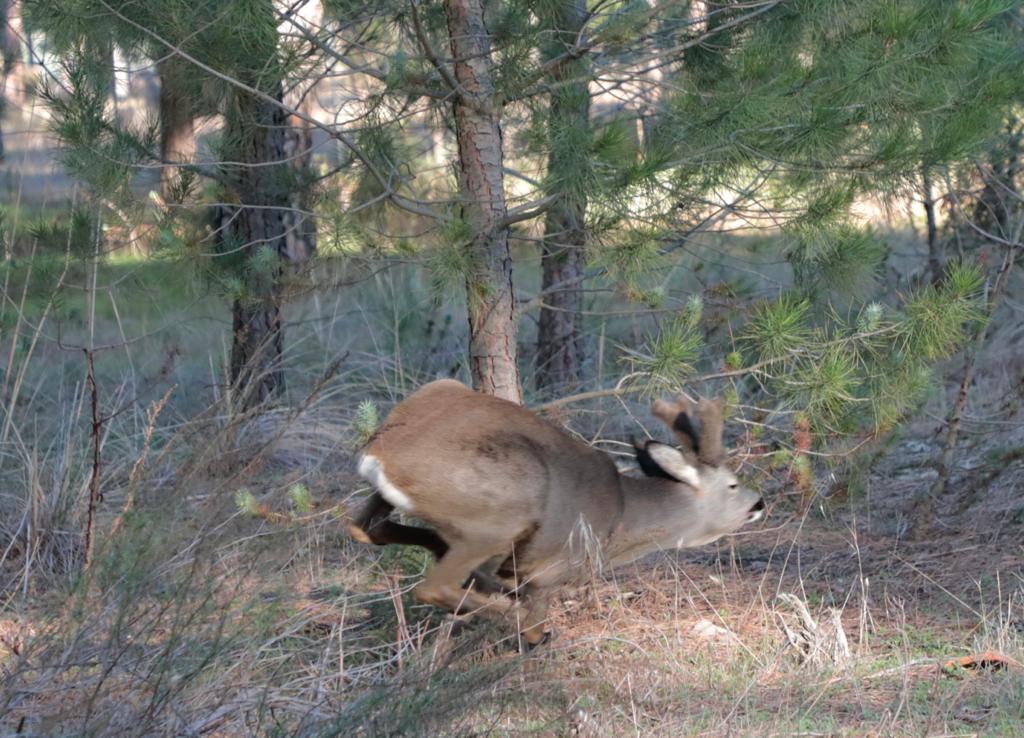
{"x": 658, "y": 460}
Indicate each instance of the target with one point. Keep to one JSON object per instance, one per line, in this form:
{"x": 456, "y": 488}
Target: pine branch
{"x": 422, "y": 89}
{"x": 385, "y": 182}
{"x": 529, "y": 210}
{"x": 428, "y": 51}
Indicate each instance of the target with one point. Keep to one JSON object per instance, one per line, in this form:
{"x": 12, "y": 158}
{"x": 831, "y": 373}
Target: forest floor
{"x": 232, "y": 603}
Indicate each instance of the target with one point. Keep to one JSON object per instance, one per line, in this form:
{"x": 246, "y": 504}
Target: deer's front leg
{"x": 534, "y": 625}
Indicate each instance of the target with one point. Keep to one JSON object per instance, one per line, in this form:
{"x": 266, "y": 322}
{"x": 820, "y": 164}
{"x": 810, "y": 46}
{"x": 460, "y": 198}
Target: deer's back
{"x": 472, "y": 463}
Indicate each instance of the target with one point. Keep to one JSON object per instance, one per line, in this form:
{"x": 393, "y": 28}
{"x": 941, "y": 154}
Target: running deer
{"x": 518, "y": 506}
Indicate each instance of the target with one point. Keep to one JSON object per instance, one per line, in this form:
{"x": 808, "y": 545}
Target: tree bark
{"x": 177, "y": 121}
{"x": 560, "y": 350}
{"x": 255, "y": 224}
{"x": 490, "y": 302}
{"x": 300, "y": 228}
{"x": 936, "y": 258}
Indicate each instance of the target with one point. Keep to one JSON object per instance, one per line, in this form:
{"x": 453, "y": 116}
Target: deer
{"x": 518, "y": 507}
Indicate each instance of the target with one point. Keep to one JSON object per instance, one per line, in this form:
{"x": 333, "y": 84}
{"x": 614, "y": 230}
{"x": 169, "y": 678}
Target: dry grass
{"x": 245, "y": 654}
{"x": 199, "y": 618}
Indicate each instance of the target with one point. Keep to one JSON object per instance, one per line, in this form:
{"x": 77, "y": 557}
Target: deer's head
{"x": 718, "y": 502}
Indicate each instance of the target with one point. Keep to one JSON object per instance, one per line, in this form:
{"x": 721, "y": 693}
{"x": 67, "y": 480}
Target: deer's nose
{"x": 756, "y": 511}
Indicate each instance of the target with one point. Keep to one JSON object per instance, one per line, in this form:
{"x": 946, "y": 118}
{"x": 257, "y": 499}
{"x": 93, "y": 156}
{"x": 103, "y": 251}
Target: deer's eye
{"x": 734, "y": 485}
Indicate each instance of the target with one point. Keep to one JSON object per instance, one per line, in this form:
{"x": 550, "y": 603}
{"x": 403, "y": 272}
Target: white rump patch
{"x": 372, "y": 471}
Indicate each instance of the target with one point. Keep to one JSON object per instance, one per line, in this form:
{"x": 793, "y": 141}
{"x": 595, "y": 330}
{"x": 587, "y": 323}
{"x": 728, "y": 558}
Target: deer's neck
{"x": 654, "y": 517}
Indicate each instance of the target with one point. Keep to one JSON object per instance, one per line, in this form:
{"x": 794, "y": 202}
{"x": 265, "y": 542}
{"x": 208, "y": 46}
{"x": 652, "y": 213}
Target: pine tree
{"x": 177, "y": 119}
{"x": 254, "y": 137}
{"x": 234, "y": 50}
{"x": 649, "y": 125}
{"x": 560, "y": 347}
{"x": 490, "y": 299}
{"x": 797, "y": 109}
{"x": 988, "y": 216}
{"x": 818, "y": 105}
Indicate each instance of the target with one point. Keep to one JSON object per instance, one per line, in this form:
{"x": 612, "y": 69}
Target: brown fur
{"x": 512, "y": 495}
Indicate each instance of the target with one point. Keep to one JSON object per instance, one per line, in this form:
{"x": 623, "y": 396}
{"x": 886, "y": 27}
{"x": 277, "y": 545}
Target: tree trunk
{"x": 11, "y": 34}
{"x": 257, "y": 332}
{"x": 560, "y": 351}
{"x": 300, "y": 228}
{"x": 177, "y": 116}
{"x": 257, "y": 348}
{"x": 999, "y": 197}
{"x": 490, "y": 303}
{"x": 936, "y": 258}
{"x": 12, "y": 84}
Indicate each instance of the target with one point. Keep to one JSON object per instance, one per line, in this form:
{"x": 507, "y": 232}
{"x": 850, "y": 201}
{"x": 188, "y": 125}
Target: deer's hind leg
{"x": 444, "y": 587}
{"x": 371, "y": 524}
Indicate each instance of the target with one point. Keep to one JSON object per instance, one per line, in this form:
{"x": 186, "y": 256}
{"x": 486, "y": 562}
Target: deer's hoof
{"x": 359, "y": 534}
{"x": 528, "y": 642}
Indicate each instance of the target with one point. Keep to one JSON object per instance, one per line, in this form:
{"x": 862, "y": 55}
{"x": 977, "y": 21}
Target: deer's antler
{"x": 676, "y": 415}
{"x": 711, "y": 414}
{"x": 704, "y": 446}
